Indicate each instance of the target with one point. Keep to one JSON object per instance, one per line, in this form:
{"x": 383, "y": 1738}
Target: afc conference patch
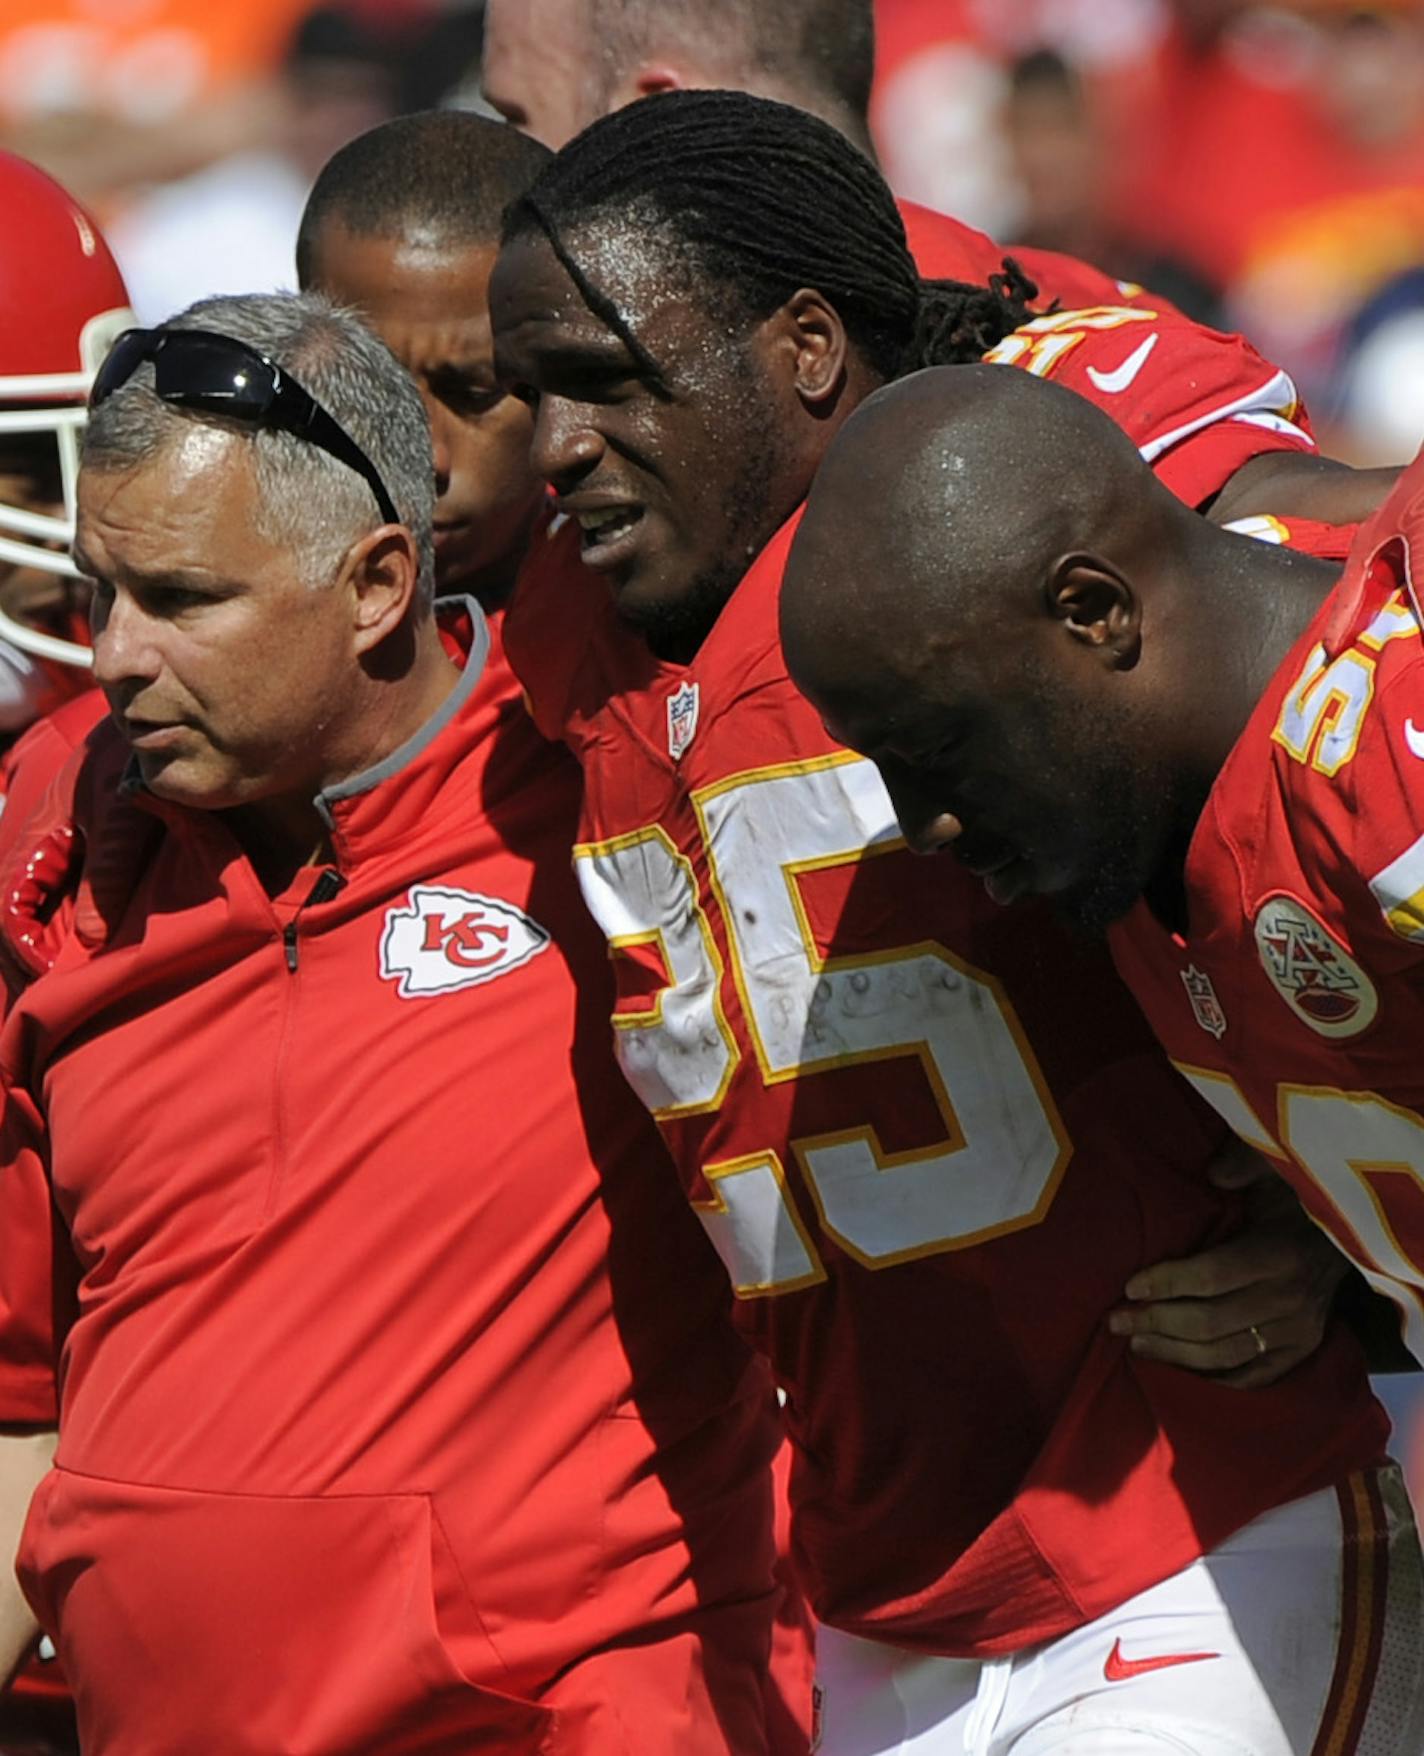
{"x": 1312, "y": 971}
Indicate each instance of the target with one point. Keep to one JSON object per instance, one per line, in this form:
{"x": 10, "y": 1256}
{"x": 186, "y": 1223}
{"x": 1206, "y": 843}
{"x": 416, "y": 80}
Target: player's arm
{"x": 1249, "y": 1309}
{"x": 1200, "y": 405}
{"x": 25, "y": 1458}
{"x": 1301, "y": 484}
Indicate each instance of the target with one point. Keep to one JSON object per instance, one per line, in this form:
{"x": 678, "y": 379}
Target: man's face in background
{"x": 542, "y": 68}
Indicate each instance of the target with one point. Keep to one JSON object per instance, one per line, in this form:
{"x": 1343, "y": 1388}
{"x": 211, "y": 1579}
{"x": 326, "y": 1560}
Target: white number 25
{"x": 1004, "y": 1148}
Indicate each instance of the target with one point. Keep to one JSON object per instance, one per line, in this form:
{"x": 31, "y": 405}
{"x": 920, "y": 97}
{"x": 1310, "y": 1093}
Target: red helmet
{"x": 62, "y": 302}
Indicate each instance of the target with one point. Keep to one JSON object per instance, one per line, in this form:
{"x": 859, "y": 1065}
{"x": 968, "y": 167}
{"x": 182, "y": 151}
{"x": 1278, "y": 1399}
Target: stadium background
{"x": 1261, "y": 165}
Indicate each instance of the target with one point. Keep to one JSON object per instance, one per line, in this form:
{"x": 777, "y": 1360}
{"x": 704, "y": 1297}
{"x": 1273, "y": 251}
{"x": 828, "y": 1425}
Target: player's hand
{"x": 1247, "y": 1310}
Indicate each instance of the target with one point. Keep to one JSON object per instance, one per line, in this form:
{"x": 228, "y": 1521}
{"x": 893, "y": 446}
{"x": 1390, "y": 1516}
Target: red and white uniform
{"x": 399, "y": 1409}
{"x": 1295, "y": 1001}
{"x": 1196, "y": 402}
{"x": 931, "y": 1141}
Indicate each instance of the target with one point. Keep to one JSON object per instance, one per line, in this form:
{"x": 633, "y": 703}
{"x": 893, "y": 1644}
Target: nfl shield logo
{"x": 1206, "y": 1008}
{"x": 682, "y": 720}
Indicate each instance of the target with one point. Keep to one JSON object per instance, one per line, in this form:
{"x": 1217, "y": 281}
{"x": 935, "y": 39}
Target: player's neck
{"x": 1246, "y": 610}
{"x": 1261, "y": 601}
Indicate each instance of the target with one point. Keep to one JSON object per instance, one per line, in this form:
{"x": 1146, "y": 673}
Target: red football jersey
{"x": 930, "y": 1139}
{"x": 1294, "y": 1002}
{"x": 1196, "y": 402}
{"x": 397, "y": 1380}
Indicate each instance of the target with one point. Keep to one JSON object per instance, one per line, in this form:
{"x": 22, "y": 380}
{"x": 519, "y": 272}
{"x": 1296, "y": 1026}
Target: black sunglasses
{"x": 201, "y": 369}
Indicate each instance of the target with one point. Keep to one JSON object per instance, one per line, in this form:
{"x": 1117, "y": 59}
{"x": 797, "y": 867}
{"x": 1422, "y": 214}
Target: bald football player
{"x": 949, "y": 607}
{"x": 1206, "y": 745}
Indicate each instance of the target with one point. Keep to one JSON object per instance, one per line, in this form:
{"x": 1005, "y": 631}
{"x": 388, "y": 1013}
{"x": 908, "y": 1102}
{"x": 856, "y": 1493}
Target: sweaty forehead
{"x": 421, "y": 274}
{"x": 631, "y": 267}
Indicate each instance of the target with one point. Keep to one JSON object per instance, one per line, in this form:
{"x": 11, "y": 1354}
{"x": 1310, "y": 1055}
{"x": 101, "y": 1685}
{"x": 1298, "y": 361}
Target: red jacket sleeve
{"x": 28, "y": 1279}
{"x": 33, "y": 761}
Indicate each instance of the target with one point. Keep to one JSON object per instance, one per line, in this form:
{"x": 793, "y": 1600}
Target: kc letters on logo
{"x": 446, "y": 939}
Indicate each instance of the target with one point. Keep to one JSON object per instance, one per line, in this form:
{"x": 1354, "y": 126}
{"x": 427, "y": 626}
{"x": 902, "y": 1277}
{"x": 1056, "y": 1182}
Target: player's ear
{"x": 809, "y": 337}
{"x": 1097, "y": 608}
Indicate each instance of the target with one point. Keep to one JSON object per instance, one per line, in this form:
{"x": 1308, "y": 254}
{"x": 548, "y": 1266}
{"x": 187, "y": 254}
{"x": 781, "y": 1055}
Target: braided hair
{"x": 756, "y": 200}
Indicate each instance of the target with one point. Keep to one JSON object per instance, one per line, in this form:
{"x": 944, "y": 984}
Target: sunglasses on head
{"x": 200, "y": 369}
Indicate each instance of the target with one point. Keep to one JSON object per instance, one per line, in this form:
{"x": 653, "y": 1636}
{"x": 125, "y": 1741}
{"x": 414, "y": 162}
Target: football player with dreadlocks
{"x": 554, "y": 66}
{"x": 894, "y": 1112}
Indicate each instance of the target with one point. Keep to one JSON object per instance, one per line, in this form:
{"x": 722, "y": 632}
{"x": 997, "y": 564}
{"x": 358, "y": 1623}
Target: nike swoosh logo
{"x": 1118, "y": 1669}
{"x": 1414, "y": 738}
{"x": 1114, "y": 383}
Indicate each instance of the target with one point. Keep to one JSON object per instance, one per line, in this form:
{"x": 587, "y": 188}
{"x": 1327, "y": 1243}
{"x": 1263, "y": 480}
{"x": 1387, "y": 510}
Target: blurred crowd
{"x": 1263, "y": 166}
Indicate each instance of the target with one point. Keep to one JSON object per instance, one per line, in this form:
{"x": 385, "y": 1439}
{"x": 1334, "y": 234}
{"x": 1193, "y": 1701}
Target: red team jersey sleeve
{"x": 1197, "y": 403}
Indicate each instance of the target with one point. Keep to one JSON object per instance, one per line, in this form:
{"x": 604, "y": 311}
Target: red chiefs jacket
{"x": 399, "y": 1407}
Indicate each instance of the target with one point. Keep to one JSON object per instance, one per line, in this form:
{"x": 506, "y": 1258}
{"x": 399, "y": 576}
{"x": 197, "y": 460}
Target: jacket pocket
{"x": 247, "y": 1625}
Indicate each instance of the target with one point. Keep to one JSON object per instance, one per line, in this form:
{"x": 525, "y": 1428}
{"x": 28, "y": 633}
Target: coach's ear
{"x": 1097, "y": 608}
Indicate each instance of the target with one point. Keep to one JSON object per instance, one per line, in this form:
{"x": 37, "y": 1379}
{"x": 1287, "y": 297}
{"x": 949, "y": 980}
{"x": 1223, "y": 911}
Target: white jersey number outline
{"x": 1356, "y": 1149}
{"x": 1004, "y": 1148}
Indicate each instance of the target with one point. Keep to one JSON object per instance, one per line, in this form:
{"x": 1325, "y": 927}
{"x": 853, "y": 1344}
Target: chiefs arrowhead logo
{"x": 449, "y": 939}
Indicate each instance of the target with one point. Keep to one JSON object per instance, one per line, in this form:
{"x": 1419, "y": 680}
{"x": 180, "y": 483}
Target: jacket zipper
{"x": 328, "y": 886}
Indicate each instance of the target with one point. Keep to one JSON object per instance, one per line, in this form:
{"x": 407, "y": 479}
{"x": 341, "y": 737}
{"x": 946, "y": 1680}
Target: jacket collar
{"x": 452, "y": 614}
